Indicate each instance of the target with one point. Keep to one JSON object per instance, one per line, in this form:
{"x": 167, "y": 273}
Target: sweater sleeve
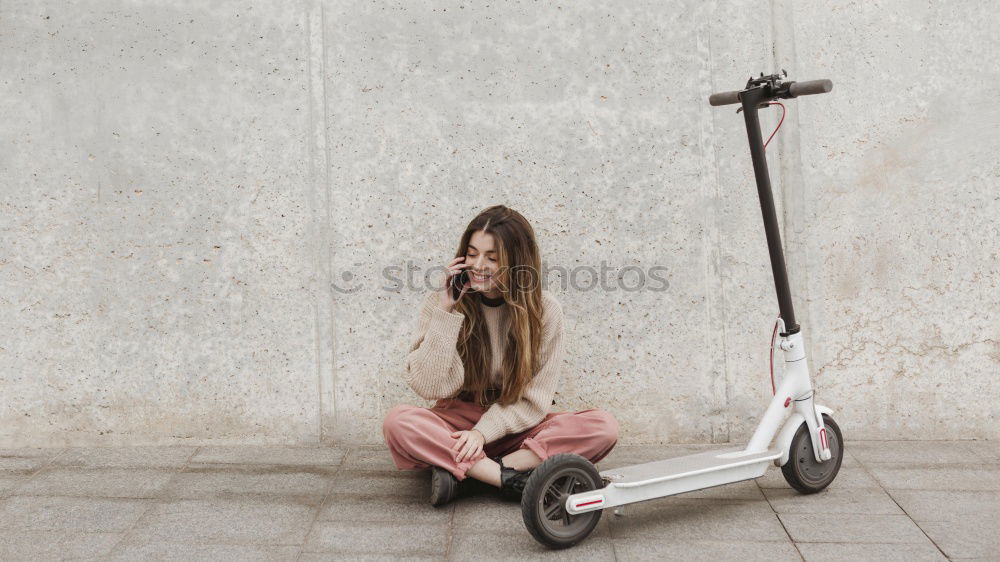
{"x": 433, "y": 366}
{"x": 498, "y": 421}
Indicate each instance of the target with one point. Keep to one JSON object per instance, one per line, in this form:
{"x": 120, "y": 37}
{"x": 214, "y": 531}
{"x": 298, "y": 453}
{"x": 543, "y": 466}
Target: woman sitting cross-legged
{"x": 491, "y": 360}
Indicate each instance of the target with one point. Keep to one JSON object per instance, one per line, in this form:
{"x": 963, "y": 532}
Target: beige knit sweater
{"x": 434, "y": 369}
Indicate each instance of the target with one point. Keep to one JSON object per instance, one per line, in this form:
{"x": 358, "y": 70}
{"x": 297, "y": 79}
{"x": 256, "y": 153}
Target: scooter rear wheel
{"x": 543, "y": 502}
{"x": 802, "y": 471}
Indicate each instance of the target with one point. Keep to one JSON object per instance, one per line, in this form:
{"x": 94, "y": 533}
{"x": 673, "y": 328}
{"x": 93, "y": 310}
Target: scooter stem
{"x": 751, "y": 100}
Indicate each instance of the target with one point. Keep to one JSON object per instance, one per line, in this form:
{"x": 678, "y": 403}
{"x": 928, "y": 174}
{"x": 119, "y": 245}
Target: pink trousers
{"x": 420, "y": 437}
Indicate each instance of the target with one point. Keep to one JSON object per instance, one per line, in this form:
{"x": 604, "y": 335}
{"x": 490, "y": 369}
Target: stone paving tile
{"x": 849, "y": 460}
{"x": 937, "y": 477}
{"x": 938, "y": 505}
{"x": 852, "y": 528}
{"x": 47, "y": 513}
{"x": 356, "y": 507}
{"x": 184, "y": 552}
{"x": 10, "y": 482}
{"x": 473, "y": 515}
{"x": 988, "y": 451}
{"x": 643, "y": 549}
{"x": 482, "y": 512}
{"x": 838, "y": 552}
{"x": 345, "y": 539}
{"x": 688, "y": 519}
{"x": 26, "y": 460}
{"x": 523, "y": 547}
{"x": 97, "y": 482}
{"x": 227, "y": 481}
{"x": 402, "y": 483}
{"x": 369, "y": 458}
{"x": 913, "y": 452}
{"x": 55, "y": 545}
{"x": 127, "y": 457}
{"x": 270, "y": 454}
{"x": 31, "y": 452}
{"x": 832, "y": 500}
{"x": 847, "y": 477}
{"x": 355, "y": 557}
{"x": 965, "y": 538}
{"x": 225, "y": 521}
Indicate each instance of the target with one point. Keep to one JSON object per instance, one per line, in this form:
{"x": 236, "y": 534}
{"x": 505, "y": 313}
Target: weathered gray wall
{"x": 181, "y": 187}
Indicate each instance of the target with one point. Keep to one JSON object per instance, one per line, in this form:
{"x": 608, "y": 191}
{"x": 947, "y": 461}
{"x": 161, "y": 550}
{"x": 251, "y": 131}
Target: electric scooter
{"x": 565, "y": 495}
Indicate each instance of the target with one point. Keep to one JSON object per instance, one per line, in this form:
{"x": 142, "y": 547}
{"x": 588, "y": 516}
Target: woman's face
{"x": 483, "y": 263}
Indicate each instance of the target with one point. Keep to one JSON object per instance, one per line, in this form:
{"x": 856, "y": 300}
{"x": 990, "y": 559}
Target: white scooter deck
{"x": 672, "y": 476}
{"x": 684, "y": 467}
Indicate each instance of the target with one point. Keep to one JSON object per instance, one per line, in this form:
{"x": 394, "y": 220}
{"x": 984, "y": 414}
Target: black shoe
{"x": 512, "y": 481}
{"x": 444, "y": 486}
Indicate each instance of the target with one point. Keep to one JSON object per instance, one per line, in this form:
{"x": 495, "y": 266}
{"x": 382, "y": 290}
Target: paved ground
{"x": 910, "y": 501}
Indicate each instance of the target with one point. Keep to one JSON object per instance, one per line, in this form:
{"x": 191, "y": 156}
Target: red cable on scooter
{"x": 771, "y": 354}
{"x": 780, "y": 121}
{"x": 775, "y": 331}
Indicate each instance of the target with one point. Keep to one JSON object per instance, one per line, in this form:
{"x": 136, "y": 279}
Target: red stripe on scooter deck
{"x": 589, "y": 503}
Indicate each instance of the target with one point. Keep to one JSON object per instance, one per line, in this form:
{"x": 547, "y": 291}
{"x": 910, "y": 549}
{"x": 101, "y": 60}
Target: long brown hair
{"x": 518, "y": 279}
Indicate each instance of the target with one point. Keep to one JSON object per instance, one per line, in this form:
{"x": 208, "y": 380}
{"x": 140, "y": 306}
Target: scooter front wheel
{"x": 543, "y": 502}
{"x": 802, "y": 471}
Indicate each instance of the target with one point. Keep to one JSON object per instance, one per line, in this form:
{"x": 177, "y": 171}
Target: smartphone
{"x": 457, "y": 282}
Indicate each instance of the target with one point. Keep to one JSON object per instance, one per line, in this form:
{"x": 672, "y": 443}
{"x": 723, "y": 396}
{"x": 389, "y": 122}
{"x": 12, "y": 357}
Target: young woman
{"x": 492, "y": 360}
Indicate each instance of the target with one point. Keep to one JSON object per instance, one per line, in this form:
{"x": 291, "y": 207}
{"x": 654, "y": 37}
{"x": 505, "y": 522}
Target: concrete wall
{"x": 197, "y": 205}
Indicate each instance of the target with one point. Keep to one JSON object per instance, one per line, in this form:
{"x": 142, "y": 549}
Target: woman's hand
{"x": 469, "y": 444}
{"x": 454, "y": 267}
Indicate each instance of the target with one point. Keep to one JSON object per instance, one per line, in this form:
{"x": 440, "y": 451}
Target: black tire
{"x": 802, "y": 472}
{"x": 544, "y": 498}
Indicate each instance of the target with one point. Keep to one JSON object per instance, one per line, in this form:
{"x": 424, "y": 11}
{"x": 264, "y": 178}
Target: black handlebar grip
{"x": 724, "y": 98}
{"x": 810, "y": 87}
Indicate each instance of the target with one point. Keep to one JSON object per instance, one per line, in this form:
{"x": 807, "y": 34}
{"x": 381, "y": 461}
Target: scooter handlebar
{"x": 795, "y": 89}
{"x": 810, "y": 87}
{"x": 724, "y": 98}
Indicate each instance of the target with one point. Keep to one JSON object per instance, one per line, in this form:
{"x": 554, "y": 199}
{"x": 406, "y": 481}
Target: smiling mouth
{"x": 480, "y": 278}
